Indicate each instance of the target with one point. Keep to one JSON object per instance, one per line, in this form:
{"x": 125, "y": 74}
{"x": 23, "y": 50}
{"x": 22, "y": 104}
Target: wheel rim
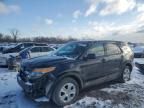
{"x": 67, "y": 92}
{"x": 126, "y": 74}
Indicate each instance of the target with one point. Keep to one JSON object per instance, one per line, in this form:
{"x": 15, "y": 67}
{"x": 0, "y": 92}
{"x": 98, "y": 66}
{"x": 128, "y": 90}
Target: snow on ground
{"x": 111, "y": 95}
{"x": 139, "y": 60}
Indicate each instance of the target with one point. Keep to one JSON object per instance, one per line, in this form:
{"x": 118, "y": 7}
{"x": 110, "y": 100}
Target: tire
{"x": 65, "y": 92}
{"x": 125, "y": 74}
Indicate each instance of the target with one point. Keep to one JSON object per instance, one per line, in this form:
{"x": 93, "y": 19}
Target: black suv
{"x": 73, "y": 67}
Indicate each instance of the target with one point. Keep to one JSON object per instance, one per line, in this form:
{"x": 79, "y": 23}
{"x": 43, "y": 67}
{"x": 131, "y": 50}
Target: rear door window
{"x": 28, "y": 45}
{"x": 112, "y": 49}
{"x": 40, "y": 44}
{"x": 35, "y": 49}
{"x": 46, "y": 49}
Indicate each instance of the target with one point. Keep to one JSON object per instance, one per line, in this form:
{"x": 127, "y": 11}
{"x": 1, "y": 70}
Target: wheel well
{"x": 76, "y": 78}
{"x": 128, "y": 64}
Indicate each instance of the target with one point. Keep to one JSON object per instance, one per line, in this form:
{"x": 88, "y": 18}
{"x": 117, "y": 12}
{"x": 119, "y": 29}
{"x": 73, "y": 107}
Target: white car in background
{"x": 34, "y": 51}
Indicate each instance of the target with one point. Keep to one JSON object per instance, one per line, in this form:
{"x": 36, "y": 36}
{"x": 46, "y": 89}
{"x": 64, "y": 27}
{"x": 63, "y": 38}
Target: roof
{"x": 103, "y": 41}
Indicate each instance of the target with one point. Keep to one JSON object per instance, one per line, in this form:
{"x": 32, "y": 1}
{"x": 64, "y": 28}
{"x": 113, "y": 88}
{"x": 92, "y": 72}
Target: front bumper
{"x": 36, "y": 89}
{"x": 25, "y": 85}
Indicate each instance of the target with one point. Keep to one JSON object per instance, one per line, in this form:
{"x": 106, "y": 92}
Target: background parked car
{"x": 4, "y": 46}
{"x": 27, "y": 53}
{"x": 138, "y": 52}
{"x": 22, "y": 46}
{"x": 140, "y": 65}
{"x": 15, "y": 51}
{"x": 35, "y": 51}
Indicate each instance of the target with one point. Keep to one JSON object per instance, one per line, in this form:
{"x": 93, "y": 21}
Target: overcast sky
{"x": 93, "y": 19}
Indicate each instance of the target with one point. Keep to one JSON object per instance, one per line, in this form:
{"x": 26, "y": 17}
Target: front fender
{"x": 74, "y": 75}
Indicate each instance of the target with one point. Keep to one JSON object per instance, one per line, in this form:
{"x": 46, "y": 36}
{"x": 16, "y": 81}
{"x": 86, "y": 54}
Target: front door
{"x": 93, "y": 68}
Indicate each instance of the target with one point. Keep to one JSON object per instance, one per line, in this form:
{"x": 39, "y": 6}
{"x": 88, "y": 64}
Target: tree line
{"x": 15, "y": 37}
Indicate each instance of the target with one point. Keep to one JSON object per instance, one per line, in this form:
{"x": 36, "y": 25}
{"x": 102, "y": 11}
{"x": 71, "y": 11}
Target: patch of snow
{"x": 109, "y": 90}
{"x": 42, "y": 99}
{"x": 8, "y": 82}
{"x": 23, "y": 101}
{"x": 3, "y": 70}
{"x": 136, "y": 77}
{"x": 139, "y": 60}
{"x": 89, "y": 102}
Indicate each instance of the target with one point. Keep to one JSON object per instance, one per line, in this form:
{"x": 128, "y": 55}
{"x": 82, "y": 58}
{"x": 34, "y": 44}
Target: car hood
{"x": 9, "y": 55}
{"x": 44, "y": 61}
{"x": 8, "y": 50}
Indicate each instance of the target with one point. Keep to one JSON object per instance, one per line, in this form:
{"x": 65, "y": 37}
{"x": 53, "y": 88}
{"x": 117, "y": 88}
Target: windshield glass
{"x": 25, "y": 50}
{"x": 72, "y": 50}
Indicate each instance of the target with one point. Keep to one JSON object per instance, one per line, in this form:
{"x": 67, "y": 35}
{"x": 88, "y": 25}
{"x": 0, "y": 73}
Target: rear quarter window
{"x": 28, "y": 45}
{"x": 112, "y": 49}
{"x": 46, "y": 49}
{"x": 35, "y": 49}
{"x": 40, "y": 44}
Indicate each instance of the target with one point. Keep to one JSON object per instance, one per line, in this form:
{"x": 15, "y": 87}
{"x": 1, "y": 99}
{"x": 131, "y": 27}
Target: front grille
{"x": 23, "y": 76}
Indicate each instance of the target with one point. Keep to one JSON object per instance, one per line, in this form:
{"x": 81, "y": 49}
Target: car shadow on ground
{"x": 3, "y": 66}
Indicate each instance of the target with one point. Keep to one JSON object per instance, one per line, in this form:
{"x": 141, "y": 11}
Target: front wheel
{"x": 65, "y": 92}
{"x": 125, "y": 75}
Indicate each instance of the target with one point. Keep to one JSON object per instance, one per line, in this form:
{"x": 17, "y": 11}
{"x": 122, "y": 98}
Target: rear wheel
{"x": 65, "y": 92}
{"x": 126, "y": 74}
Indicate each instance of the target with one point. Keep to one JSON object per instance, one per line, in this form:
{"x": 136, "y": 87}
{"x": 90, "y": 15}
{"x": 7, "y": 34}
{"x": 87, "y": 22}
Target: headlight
{"x": 35, "y": 75}
{"x": 38, "y": 72}
{"x": 44, "y": 70}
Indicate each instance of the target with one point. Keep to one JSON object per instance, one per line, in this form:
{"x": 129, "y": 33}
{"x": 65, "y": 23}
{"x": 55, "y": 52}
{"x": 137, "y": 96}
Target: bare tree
{"x": 14, "y": 33}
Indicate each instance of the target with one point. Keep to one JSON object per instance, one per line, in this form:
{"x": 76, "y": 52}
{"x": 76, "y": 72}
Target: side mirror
{"x": 91, "y": 56}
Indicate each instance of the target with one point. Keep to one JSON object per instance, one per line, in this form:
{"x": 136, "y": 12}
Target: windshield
{"x": 25, "y": 50}
{"x": 72, "y": 50}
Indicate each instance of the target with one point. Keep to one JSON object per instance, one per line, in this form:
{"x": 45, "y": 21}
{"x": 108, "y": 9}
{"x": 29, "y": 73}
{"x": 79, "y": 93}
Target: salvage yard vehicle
{"x": 140, "y": 65}
{"x": 36, "y": 51}
{"x": 5, "y": 46}
{"x": 27, "y": 53}
{"x": 139, "y": 52}
{"x": 75, "y": 66}
{"x": 6, "y": 54}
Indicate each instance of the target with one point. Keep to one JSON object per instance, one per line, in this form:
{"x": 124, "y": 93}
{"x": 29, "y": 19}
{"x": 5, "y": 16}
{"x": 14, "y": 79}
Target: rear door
{"x": 113, "y": 59}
